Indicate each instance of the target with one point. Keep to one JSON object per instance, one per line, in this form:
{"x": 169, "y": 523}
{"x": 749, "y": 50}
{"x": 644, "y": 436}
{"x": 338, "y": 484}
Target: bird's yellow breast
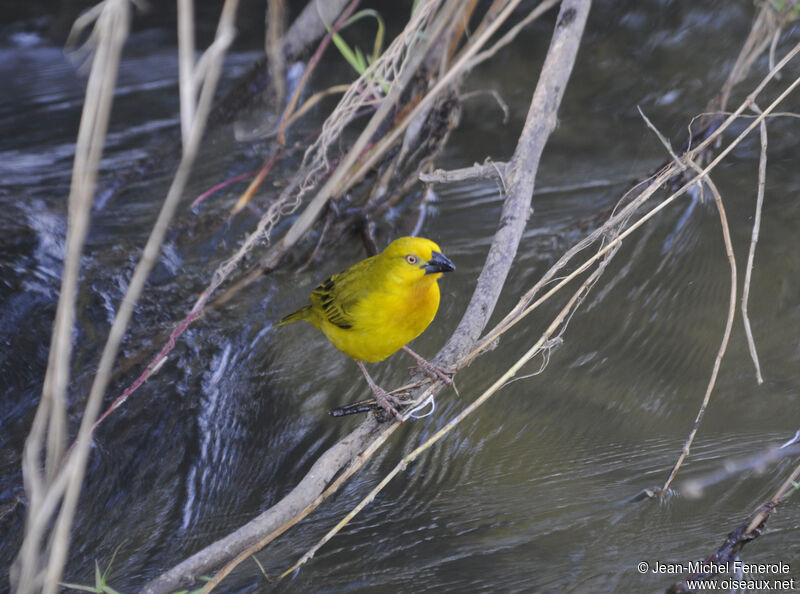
{"x": 385, "y": 321}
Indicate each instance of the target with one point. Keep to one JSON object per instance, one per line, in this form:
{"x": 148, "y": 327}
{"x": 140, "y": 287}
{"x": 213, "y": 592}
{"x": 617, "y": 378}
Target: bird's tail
{"x": 303, "y": 313}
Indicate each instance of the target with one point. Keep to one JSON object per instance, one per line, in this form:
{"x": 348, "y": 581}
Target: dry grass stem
{"x": 762, "y": 182}
{"x": 725, "y": 336}
{"x": 186, "y": 65}
{"x": 38, "y": 566}
{"x": 40, "y": 561}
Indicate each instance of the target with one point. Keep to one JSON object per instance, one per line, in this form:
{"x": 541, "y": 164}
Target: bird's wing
{"x": 336, "y": 298}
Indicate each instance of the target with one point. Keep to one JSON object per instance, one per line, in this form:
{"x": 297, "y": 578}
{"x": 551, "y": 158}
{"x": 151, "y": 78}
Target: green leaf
{"x": 80, "y": 587}
{"x": 355, "y": 57}
{"x": 362, "y": 61}
{"x": 346, "y": 52}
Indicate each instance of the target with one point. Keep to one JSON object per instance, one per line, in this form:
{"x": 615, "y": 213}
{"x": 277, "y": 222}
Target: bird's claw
{"x": 389, "y": 403}
{"x": 435, "y": 372}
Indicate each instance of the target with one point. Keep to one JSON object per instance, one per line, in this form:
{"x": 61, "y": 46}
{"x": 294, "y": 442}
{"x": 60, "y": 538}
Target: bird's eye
{"x": 411, "y": 259}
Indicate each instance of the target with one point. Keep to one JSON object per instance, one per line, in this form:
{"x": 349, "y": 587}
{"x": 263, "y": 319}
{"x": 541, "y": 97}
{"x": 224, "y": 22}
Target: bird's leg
{"x": 431, "y": 370}
{"x": 386, "y": 400}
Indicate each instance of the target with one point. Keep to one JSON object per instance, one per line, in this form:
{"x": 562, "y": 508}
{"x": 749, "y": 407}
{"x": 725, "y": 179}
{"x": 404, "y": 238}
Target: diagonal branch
{"x": 520, "y": 174}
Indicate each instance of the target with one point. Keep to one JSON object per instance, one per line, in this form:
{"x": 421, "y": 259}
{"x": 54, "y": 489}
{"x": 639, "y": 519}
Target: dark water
{"x": 530, "y": 493}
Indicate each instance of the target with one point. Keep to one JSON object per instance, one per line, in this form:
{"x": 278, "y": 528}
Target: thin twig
{"x": 186, "y": 66}
{"x": 762, "y": 182}
{"x": 664, "y": 142}
{"x": 725, "y": 336}
{"x": 777, "y": 498}
{"x": 273, "y": 47}
{"x": 489, "y": 170}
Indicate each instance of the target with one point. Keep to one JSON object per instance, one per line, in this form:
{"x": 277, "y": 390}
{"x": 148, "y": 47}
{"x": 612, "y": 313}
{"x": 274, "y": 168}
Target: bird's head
{"x": 414, "y": 258}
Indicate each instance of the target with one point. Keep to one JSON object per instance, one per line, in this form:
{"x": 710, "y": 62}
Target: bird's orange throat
{"x": 423, "y": 299}
{"x": 425, "y": 286}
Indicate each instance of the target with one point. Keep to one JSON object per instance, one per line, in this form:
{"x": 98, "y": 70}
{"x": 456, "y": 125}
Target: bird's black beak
{"x": 438, "y": 263}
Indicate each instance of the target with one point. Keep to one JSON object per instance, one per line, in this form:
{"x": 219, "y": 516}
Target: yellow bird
{"x": 377, "y": 306}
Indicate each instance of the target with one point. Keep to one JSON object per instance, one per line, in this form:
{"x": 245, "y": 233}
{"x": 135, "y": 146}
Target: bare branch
{"x": 521, "y": 174}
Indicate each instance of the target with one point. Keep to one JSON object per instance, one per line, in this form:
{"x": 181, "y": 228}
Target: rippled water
{"x": 532, "y": 492}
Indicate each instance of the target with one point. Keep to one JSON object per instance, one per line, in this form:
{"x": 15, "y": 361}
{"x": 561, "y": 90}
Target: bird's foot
{"x": 388, "y": 402}
{"x": 433, "y": 371}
